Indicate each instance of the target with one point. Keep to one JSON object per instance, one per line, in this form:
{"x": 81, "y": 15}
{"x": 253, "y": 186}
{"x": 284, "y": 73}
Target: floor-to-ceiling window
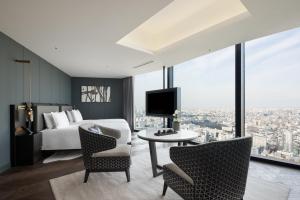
{"x": 273, "y": 96}
{"x": 142, "y": 83}
{"x": 207, "y": 94}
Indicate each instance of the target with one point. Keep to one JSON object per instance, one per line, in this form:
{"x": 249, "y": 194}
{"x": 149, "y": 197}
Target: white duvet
{"x": 68, "y": 138}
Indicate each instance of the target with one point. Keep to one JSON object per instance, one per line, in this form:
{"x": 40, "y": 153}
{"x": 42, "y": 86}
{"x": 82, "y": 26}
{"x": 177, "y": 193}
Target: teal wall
{"x": 49, "y": 85}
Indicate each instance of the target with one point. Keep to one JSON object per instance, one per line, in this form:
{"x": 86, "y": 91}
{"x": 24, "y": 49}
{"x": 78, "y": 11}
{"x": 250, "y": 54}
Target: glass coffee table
{"x": 182, "y": 136}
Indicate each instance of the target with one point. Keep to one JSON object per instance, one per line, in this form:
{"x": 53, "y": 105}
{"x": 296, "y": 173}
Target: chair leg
{"x": 86, "y": 176}
{"x": 127, "y": 174}
{"x": 165, "y": 189}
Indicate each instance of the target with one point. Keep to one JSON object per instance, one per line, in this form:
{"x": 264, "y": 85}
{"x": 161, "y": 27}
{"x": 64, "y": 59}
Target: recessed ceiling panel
{"x": 179, "y": 20}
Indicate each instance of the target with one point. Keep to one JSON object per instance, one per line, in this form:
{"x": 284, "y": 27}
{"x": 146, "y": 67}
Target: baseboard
{"x": 4, "y": 167}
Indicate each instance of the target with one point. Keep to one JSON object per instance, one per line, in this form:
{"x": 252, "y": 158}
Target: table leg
{"x": 153, "y": 155}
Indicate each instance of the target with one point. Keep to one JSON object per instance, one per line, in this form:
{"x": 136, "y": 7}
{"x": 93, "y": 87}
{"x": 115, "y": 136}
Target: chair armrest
{"x": 115, "y": 133}
{"x": 186, "y": 158}
{"x": 92, "y": 142}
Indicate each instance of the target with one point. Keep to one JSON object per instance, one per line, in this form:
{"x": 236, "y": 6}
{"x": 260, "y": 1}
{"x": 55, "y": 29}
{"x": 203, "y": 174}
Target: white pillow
{"x": 77, "y": 117}
{"x": 49, "y": 121}
{"x": 60, "y": 119}
{"x": 70, "y": 116}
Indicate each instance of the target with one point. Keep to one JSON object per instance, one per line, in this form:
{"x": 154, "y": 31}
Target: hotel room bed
{"x": 68, "y": 138}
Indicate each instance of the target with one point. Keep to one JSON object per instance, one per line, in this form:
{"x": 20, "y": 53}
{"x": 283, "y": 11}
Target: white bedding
{"x": 68, "y": 138}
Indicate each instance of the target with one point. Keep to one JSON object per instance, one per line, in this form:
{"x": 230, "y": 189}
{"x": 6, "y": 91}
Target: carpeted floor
{"x": 143, "y": 186}
{"x": 63, "y": 155}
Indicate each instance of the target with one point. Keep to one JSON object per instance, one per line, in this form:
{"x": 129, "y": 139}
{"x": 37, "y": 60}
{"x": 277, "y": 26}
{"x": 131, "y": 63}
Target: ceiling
{"x": 82, "y": 37}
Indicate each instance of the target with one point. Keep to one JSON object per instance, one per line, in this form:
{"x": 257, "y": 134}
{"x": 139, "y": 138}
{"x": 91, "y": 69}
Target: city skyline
{"x": 276, "y": 133}
{"x": 272, "y": 70}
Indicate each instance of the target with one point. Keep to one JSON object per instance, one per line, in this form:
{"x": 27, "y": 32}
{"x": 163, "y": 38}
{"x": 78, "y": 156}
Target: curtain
{"x": 128, "y": 110}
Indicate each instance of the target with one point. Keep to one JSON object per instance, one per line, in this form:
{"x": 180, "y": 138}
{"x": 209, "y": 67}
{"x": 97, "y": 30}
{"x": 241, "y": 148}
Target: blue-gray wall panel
{"x": 61, "y": 87}
{"x": 68, "y": 89}
{"x": 45, "y": 82}
{"x": 15, "y": 51}
{"x": 49, "y": 85}
{"x": 31, "y": 70}
{"x": 4, "y": 99}
{"x": 55, "y": 84}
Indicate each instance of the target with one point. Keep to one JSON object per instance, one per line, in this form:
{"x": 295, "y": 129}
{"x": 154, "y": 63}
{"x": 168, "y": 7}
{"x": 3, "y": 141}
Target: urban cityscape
{"x": 275, "y": 132}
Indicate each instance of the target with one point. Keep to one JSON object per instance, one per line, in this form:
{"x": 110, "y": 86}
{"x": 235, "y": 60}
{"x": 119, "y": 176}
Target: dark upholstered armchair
{"x": 216, "y": 170}
{"x": 100, "y": 153}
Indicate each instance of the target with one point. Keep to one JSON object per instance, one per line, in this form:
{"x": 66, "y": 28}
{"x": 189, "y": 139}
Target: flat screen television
{"x": 162, "y": 103}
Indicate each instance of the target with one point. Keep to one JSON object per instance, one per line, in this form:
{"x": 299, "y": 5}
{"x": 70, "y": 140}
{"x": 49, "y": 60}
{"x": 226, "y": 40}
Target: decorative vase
{"x": 176, "y": 126}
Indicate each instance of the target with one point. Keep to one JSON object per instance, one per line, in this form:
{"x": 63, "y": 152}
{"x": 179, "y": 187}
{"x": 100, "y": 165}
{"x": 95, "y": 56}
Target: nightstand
{"x": 25, "y": 147}
{"x": 28, "y": 148}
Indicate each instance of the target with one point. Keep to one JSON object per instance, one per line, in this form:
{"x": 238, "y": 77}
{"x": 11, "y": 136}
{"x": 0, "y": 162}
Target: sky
{"x": 272, "y": 76}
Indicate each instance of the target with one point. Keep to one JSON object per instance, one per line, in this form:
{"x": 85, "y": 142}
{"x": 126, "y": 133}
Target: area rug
{"x": 111, "y": 186}
{"x": 63, "y": 155}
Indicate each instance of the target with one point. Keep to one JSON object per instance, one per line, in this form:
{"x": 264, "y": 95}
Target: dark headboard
{"x": 65, "y": 108}
{"x": 38, "y": 110}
